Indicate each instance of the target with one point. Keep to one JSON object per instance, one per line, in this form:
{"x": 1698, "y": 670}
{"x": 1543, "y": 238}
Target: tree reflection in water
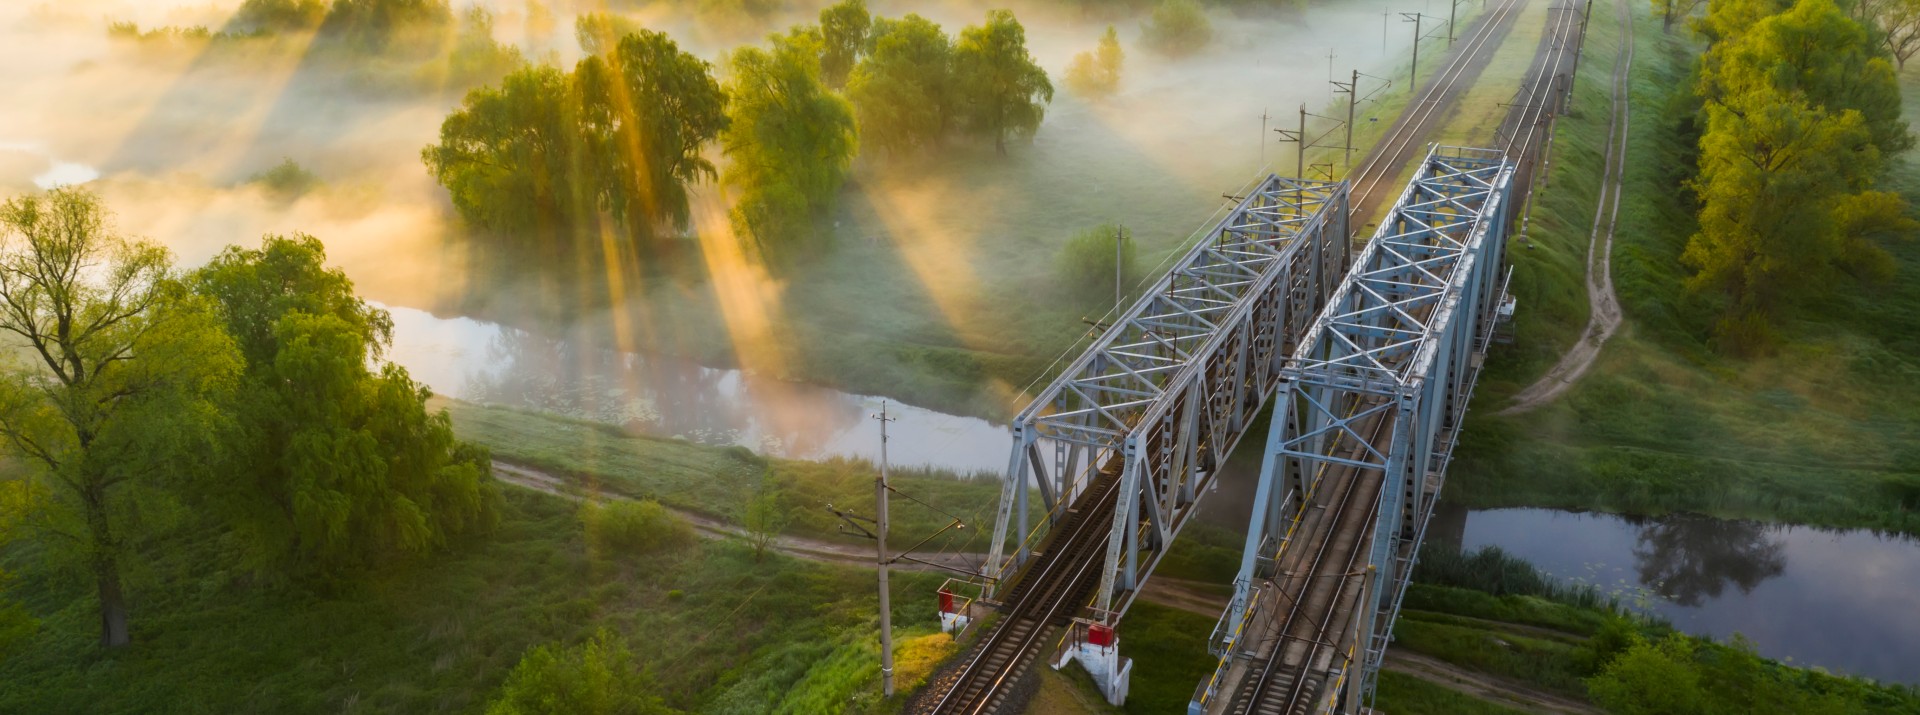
{"x": 1690, "y": 559}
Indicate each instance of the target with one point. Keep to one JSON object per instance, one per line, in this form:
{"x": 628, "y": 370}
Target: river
{"x": 568, "y": 374}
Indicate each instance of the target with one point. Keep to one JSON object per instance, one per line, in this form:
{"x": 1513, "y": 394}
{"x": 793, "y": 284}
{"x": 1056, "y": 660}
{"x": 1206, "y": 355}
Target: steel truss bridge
{"x": 1373, "y": 368}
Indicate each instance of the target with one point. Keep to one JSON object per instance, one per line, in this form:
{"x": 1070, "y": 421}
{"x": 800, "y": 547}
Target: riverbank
{"x": 1818, "y": 432}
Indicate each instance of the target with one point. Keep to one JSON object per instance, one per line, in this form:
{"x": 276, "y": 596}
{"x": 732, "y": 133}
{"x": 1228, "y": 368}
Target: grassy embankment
{"x": 1819, "y": 432}
{"x": 717, "y": 631}
{"x": 718, "y": 482}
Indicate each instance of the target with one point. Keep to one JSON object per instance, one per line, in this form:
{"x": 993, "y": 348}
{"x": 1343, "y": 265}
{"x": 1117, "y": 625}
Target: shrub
{"x": 1086, "y": 262}
{"x": 633, "y": 527}
{"x": 597, "y": 678}
{"x": 1178, "y": 28}
{"x": 1097, "y": 73}
{"x": 286, "y": 179}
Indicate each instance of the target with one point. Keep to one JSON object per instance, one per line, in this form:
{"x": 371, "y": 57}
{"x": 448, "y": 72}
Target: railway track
{"x": 1045, "y": 594}
{"x": 1321, "y": 596}
{"x": 1291, "y": 680}
{"x": 1403, "y": 141}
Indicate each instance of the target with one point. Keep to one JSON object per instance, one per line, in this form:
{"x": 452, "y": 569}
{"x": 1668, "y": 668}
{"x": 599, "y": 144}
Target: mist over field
{"x": 174, "y": 133}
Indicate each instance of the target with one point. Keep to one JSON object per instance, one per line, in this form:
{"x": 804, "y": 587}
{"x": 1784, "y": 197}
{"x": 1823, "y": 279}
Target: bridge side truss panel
{"x": 1381, "y": 382}
{"x": 1165, "y": 393}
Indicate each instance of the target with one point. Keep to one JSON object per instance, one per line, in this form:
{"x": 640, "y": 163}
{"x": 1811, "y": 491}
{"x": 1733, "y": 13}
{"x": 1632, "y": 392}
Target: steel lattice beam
{"x": 1380, "y": 383}
{"x": 1165, "y": 393}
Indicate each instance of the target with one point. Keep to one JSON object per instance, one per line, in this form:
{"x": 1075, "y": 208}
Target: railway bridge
{"x": 1366, "y": 350}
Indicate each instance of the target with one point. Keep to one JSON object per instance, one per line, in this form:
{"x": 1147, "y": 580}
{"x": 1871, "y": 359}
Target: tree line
{"x": 549, "y": 155}
{"x": 1798, "y": 109}
{"x": 249, "y": 395}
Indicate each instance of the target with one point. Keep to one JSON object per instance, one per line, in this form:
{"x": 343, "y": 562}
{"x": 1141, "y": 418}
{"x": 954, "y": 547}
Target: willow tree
{"x": 843, "y": 35}
{"x": 112, "y": 383}
{"x": 790, "y": 141}
{"x": 338, "y": 465}
{"x": 902, "y": 91}
{"x": 1002, "y": 89}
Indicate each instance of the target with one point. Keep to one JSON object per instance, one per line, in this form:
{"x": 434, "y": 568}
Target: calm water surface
{"x": 1848, "y": 601}
{"x": 495, "y": 364}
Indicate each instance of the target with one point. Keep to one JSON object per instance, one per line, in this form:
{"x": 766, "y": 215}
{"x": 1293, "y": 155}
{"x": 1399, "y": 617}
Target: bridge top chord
{"x": 1377, "y": 332}
{"x": 1100, "y": 397}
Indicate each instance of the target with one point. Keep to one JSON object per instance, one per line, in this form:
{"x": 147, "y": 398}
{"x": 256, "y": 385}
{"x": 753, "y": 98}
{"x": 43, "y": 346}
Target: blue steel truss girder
{"x": 1165, "y": 393}
{"x": 1379, "y": 384}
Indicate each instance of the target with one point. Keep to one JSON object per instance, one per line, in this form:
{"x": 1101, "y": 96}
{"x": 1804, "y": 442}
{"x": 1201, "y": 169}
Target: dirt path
{"x": 1486, "y": 687}
{"x": 1604, "y": 306}
{"x": 853, "y": 553}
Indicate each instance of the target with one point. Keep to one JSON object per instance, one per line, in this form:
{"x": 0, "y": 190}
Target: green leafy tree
{"x": 337, "y": 466}
{"x": 1097, "y": 73}
{"x": 902, "y": 91}
{"x": 547, "y": 153}
{"x": 1779, "y": 208}
{"x": 1086, "y": 261}
{"x": 509, "y": 155}
{"x": 599, "y": 32}
{"x": 790, "y": 143}
{"x": 650, "y": 114}
{"x": 843, "y": 35}
{"x": 1799, "y": 107}
{"x": 279, "y": 15}
{"x": 1177, "y": 28}
{"x": 112, "y": 382}
{"x": 477, "y": 58}
{"x": 597, "y": 677}
{"x": 1002, "y": 90}
{"x": 1815, "y": 51}
{"x": 410, "y": 27}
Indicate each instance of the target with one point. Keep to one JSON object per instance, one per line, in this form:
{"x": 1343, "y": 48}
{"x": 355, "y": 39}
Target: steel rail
{"x": 1378, "y": 167}
{"x": 1342, "y": 513}
{"x": 1050, "y": 593}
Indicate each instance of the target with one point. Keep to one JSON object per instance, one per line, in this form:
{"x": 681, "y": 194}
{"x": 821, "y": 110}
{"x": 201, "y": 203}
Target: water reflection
{"x": 654, "y": 395}
{"x": 577, "y": 374}
{"x": 1842, "y": 600}
{"x": 1689, "y": 559}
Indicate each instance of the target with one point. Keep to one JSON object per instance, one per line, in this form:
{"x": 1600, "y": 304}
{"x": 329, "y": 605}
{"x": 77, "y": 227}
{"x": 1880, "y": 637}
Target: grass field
{"x": 1818, "y": 432}
{"x": 716, "y": 630}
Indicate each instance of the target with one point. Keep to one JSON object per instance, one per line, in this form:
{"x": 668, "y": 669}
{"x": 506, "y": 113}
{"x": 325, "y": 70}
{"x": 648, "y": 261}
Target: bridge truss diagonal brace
{"x": 1161, "y": 397}
{"x": 1380, "y": 383}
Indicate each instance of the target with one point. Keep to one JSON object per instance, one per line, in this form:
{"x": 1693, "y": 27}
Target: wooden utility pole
{"x": 1413, "y": 75}
{"x": 880, "y": 545}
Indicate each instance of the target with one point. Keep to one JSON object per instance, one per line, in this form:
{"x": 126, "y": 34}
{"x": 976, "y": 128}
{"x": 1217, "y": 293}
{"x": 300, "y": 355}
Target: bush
{"x": 1178, "y": 28}
{"x": 1097, "y": 73}
{"x": 597, "y": 678}
{"x": 633, "y": 527}
{"x": 1086, "y": 261}
{"x": 286, "y": 179}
